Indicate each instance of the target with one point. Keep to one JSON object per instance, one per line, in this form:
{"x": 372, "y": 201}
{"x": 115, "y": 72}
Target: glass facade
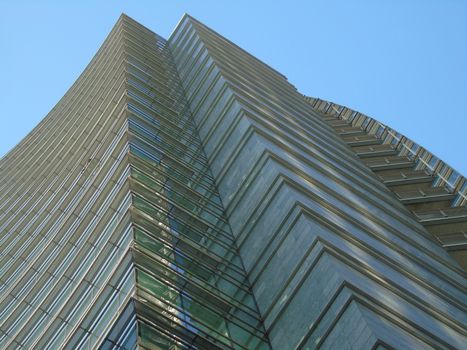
{"x": 119, "y": 238}
{"x": 434, "y": 192}
{"x": 190, "y": 280}
{"x": 184, "y": 195}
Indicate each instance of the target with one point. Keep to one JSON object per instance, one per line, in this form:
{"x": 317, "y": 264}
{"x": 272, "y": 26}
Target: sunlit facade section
{"x": 335, "y": 258}
{"x": 432, "y": 190}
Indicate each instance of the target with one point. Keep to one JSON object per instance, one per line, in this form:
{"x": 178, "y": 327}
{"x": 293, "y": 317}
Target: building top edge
{"x": 194, "y": 20}
{"x": 425, "y": 159}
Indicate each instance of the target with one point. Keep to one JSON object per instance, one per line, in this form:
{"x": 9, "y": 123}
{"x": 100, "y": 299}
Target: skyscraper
{"x": 183, "y": 194}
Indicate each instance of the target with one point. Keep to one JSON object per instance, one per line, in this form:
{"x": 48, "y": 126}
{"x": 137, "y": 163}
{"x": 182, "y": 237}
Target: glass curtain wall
{"x": 192, "y": 289}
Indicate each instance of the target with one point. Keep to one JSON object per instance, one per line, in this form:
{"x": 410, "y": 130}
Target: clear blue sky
{"x": 403, "y": 62}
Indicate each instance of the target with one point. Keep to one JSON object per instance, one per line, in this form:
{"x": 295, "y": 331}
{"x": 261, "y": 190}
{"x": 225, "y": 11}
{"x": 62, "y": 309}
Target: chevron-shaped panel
{"x": 335, "y": 260}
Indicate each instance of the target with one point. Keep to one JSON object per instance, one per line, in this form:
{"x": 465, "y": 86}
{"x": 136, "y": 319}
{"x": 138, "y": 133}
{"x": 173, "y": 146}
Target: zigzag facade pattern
{"x": 434, "y": 192}
{"x": 183, "y": 195}
{"x": 335, "y": 260}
